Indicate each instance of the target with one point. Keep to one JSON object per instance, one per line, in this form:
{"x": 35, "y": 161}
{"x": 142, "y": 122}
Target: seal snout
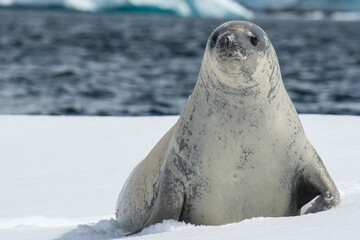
{"x": 227, "y": 40}
{"x": 229, "y": 46}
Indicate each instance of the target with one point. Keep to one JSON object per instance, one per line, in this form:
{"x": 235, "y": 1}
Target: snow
{"x": 183, "y": 8}
{"x": 325, "y": 5}
{"x": 60, "y": 178}
{"x": 220, "y": 9}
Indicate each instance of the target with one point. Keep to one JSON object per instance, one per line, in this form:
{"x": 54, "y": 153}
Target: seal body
{"x": 238, "y": 149}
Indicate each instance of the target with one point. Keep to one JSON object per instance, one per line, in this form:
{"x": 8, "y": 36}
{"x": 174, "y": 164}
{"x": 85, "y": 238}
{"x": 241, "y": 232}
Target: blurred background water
{"x": 142, "y": 57}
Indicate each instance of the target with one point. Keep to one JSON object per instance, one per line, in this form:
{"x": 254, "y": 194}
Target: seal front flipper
{"x": 169, "y": 202}
{"x": 316, "y": 181}
{"x": 139, "y": 194}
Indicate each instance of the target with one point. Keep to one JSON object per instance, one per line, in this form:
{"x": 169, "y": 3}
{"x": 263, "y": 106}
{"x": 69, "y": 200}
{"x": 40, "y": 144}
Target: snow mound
{"x": 326, "y": 5}
{"x": 166, "y": 226}
{"x": 109, "y": 229}
{"x": 105, "y": 229}
{"x": 183, "y": 8}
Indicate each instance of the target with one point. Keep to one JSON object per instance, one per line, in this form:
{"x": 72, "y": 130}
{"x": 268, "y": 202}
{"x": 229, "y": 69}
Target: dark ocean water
{"x": 70, "y": 63}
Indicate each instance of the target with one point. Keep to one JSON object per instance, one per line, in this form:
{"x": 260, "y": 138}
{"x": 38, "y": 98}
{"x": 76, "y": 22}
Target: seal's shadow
{"x": 109, "y": 229}
{"x": 103, "y": 230}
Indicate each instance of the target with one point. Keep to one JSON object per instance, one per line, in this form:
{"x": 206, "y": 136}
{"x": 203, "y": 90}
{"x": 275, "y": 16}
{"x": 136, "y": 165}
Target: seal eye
{"x": 214, "y": 39}
{"x": 254, "y": 40}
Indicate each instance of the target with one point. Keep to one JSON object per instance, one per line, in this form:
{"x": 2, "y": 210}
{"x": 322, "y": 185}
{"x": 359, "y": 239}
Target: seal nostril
{"x": 214, "y": 39}
{"x": 227, "y": 41}
{"x": 254, "y": 40}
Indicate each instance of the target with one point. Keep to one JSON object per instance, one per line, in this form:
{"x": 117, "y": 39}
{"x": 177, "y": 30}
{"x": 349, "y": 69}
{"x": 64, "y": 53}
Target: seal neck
{"x": 223, "y": 96}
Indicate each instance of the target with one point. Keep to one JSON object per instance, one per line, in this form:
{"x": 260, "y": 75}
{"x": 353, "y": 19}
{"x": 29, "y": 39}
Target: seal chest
{"x": 238, "y": 149}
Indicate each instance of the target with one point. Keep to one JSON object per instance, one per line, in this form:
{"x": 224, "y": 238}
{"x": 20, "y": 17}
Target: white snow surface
{"x": 60, "y": 178}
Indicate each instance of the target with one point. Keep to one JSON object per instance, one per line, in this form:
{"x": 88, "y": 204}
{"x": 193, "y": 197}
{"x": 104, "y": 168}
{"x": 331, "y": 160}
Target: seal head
{"x": 240, "y": 61}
